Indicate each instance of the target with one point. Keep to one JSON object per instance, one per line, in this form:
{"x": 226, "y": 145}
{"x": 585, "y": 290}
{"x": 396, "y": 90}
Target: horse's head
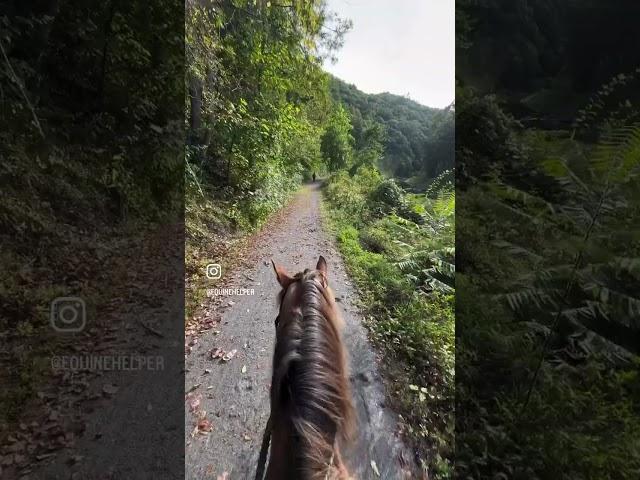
{"x": 290, "y": 298}
{"x": 285, "y": 280}
{"x": 310, "y": 393}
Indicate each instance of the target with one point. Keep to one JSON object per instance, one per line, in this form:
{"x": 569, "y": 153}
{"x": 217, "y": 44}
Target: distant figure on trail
{"x": 314, "y": 177}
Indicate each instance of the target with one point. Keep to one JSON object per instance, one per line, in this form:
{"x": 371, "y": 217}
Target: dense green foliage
{"x": 91, "y": 153}
{"x": 93, "y": 136}
{"x": 541, "y": 280}
{"x": 547, "y": 306}
{"x": 418, "y": 140}
{"x": 257, "y": 102}
{"x": 399, "y": 248}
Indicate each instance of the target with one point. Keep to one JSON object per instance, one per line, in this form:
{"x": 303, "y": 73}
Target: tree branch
{"x": 22, "y": 90}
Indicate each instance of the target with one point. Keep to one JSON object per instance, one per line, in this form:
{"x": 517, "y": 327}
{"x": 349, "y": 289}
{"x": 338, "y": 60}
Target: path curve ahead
{"x": 235, "y": 395}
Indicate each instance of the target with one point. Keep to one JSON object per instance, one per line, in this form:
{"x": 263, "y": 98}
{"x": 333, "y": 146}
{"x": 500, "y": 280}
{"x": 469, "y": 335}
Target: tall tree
{"x": 337, "y": 141}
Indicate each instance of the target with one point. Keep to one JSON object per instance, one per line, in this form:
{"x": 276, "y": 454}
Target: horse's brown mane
{"x": 310, "y": 387}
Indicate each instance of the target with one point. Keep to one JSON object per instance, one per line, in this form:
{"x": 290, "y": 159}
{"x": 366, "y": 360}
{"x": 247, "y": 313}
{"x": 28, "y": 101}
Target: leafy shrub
{"x": 350, "y": 194}
{"x": 389, "y": 193}
{"x": 389, "y": 197}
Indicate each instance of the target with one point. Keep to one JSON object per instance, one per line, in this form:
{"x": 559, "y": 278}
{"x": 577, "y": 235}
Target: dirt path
{"x": 235, "y": 395}
{"x": 117, "y": 422}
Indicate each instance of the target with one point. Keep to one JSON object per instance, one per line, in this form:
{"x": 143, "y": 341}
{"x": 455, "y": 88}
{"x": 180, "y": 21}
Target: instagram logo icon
{"x": 68, "y": 314}
{"x": 214, "y": 271}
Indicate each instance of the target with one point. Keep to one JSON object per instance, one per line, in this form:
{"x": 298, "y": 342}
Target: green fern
{"x": 591, "y": 288}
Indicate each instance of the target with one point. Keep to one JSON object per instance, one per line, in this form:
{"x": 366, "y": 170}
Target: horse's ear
{"x": 283, "y": 277}
{"x": 322, "y": 265}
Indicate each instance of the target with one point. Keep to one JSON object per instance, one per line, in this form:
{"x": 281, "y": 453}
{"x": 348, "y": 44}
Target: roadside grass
{"x": 404, "y": 271}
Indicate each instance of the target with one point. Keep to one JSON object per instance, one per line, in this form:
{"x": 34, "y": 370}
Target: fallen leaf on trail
{"x": 244, "y": 369}
{"x": 229, "y": 355}
{"x": 44, "y": 456}
{"x": 374, "y": 467}
{"x": 194, "y": 402}
{"x": 205, "y": 426}
{"x": 196, "y": 386}
{"x": 217, "y": 353}
{"x": 109, "y": 389}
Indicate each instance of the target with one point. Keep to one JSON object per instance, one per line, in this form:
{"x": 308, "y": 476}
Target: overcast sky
{"x": 399, "y": 46}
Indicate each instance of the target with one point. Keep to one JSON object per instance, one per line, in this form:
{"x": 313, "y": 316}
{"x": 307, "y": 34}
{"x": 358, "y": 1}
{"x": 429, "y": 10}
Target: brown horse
{"x": 311, "y": 408}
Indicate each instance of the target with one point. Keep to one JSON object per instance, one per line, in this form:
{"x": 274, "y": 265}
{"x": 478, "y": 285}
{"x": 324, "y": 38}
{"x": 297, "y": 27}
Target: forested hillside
{"x": 418, "y": 140}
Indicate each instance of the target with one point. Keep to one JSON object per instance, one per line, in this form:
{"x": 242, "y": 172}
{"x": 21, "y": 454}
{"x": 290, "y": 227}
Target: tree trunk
{"x": 105, "y": 51}
{"x": 195, "y": 122}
